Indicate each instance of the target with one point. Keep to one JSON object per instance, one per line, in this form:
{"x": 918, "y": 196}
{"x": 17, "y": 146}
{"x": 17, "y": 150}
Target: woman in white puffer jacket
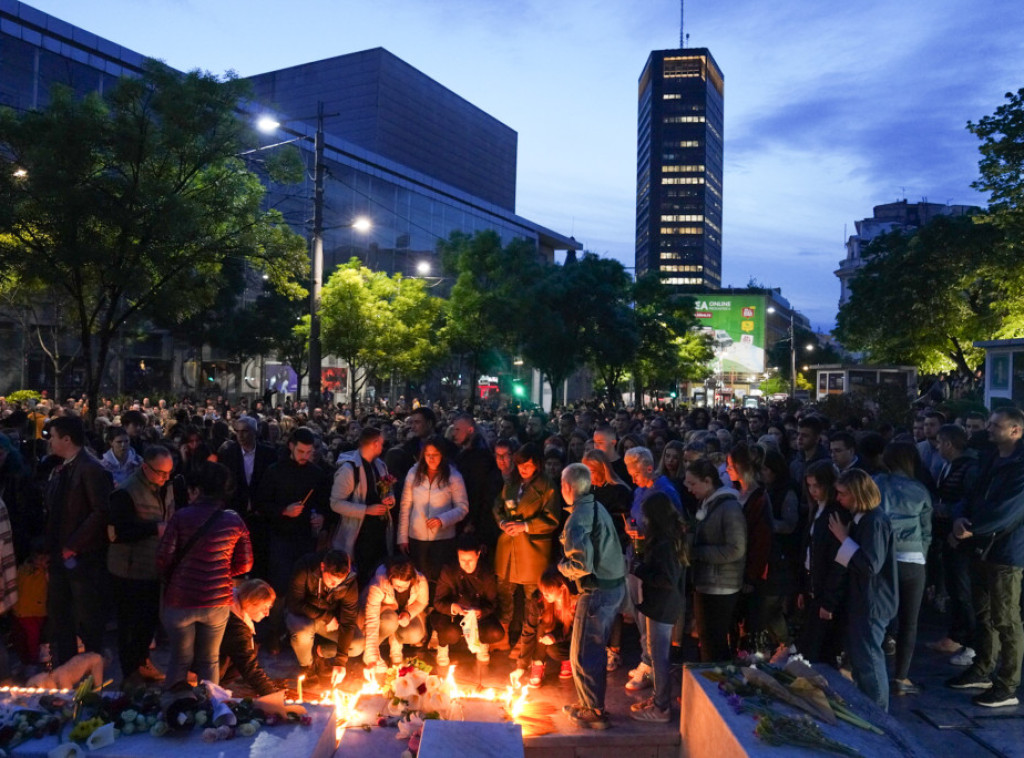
{"x": 433, "y": 502}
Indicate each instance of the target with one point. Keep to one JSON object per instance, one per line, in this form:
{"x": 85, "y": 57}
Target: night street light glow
{"x": 362, "y": 224}
{"x": 267, "y": 123}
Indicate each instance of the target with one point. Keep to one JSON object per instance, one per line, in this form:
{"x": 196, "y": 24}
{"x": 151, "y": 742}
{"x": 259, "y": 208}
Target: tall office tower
{"x": 679, "y": 169}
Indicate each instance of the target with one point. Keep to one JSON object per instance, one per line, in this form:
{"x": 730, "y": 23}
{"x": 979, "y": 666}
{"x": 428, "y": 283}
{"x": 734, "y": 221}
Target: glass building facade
{"x": 402, "y": 150}
{"x": 679, "y": 169}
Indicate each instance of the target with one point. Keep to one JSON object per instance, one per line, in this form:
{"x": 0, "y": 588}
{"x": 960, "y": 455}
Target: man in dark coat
{"x": 76, "y": 498}
{"x": 323, "y": 600}
{"x": 248, "y": 460}
{"x": 476, "y": 463}
{"x": 995, "y": 519}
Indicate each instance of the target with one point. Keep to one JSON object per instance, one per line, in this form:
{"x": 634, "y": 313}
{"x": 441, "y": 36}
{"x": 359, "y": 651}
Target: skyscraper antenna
{"x": 682, "y": 19}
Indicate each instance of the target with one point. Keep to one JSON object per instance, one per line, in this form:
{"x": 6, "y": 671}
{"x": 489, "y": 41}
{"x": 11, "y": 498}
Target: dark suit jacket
{"x": 826, "y": 580}
{"x": 874, "y": 585}
{"x": 230, "y": 454}
{"x": 76, "y": 499}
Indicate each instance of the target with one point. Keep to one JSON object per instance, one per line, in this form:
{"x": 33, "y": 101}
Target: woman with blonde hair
{"x": 868, "y": 551}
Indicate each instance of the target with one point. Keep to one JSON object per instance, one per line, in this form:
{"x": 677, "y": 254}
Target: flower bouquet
{"x": 410, "y": 687}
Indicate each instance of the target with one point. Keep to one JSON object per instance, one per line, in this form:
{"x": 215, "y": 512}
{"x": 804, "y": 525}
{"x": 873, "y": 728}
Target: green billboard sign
{"x": 736, "y": 323}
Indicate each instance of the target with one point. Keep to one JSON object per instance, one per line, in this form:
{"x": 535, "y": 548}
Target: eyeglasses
{"x": 160, "y": 473}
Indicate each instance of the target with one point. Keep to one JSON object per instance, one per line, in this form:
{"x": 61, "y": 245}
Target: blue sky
{"x": 829, "y": 109}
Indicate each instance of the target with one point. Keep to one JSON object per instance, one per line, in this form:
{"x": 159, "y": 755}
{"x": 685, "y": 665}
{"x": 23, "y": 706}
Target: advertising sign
{"x": 737, "y": 325}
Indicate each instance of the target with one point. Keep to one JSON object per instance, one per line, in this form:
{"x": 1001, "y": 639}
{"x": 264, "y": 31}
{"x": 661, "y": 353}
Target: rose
{"x": 159, "y": 729}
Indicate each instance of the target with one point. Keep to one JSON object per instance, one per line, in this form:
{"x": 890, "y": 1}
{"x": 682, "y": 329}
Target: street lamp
{"x": 269, "y": 124}
{"x": 792, "y": 351}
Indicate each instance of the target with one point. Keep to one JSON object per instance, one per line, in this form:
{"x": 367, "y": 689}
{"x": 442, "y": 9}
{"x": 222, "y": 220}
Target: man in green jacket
{"x": 593, "y": 559}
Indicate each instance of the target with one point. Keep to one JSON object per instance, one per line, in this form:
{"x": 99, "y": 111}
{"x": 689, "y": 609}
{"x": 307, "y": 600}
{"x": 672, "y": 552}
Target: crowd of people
{"x": 376, "y": 536}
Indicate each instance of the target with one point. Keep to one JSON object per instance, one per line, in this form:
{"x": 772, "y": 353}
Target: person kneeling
{"x": 323, "y": 600}
{"x": 547, "y": 628}
{"x": 238, "y": 652}
{"x": 394, "y": 610}
{"x": 468, "y": 588}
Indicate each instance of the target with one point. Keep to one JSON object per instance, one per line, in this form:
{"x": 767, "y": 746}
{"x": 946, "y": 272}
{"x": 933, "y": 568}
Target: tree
{"x": 667, "y": 350}
{"x": 611, "y": 338}
{"x": 488, "y": 306}
{"x": 133, "y": 203}
{"x": 923, "y": 298}
{"x": 1001, "y": 170}
{"x": 43, "y": 319}
{"x": 379, "y": 323}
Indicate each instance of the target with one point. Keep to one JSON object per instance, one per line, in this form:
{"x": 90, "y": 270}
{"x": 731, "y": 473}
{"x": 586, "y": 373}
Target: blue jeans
{"x": 659, "y": 640}
{"x": 595, "y": 612}
{"x": 303, "y": 632}
{"x": 864, "y": 646}
{"x": 194, "y": 635}
{"x": 633, "y": 585}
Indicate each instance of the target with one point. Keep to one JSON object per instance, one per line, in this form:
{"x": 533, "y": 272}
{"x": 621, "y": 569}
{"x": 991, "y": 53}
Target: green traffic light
{"x": 519, "y": 390}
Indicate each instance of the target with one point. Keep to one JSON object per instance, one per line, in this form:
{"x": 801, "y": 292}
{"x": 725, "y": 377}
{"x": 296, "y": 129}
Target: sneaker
{"x": 482, "y": 654}
{"x": 964, "y": 658}
{"x": 434, "y": 643}
{"x": 651, "y": 714}
{"x": 442, "y": 656}
{"x": 641, "y": 704}
{"x": 537, "y": 673}
{"x": 997, "y": 697}
{"x": 614, "y": 660}
{"x": 151, "y": 673}
{"x": 639, "y": 678}
{"x": 588, "y": 718}
{"x": 565, "y": 672}
{"x": 945, "y": 645}
{"x": 969, "y": 680}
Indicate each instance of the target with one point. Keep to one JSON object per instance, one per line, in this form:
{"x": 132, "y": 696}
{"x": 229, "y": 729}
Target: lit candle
{"x": 301, "y": 677}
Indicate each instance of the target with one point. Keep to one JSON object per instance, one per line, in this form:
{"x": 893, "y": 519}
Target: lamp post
{"x": 268, "y": 124}
{"x": 792, "y": 352}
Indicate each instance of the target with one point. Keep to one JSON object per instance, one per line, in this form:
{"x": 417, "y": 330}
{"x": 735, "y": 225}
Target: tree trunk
{"x": 474, "y": 380}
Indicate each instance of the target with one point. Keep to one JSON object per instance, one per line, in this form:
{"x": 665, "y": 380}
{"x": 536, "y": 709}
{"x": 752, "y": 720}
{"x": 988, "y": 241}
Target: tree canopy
{"x": 131, "y": 204}
{"x": 379, "y": 323}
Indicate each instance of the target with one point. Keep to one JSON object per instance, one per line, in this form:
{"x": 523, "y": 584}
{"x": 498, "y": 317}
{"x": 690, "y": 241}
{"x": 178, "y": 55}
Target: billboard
{"x": 736, "y": 324}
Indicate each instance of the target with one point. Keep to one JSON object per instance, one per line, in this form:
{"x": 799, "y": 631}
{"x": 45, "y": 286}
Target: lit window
{"x": 671, "y": 96}
{"x": 683, "y": 120}
{"x": 682, "y": 169}
{"x": 669, "y": 219}
{"x": 682, "y": 230}
{"x": 683, "y": 180}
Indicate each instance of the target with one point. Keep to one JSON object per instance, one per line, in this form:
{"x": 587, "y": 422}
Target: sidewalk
{"x": 944, "y": 720}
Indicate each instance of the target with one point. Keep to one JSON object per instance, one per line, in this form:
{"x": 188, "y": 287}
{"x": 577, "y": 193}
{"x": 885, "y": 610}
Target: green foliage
{"x": 133, "y": 204}
{"x": 19, "y": 397}
{"x": 667, "y": 350}
{"x": 774, "y": 385}
{"x": 488, "y": 307}
{"x": 380, "y": 323}
{"x": 924, "y": 298}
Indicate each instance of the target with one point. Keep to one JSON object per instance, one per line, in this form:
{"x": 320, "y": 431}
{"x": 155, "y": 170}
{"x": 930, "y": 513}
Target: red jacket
{"x": 203, "y": 577}
{"x": 757, "y": 511}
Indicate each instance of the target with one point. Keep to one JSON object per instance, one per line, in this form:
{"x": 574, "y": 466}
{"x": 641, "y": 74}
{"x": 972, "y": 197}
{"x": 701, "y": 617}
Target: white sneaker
{"x": 482, "y": 654}
{"x": 442, "y": 656}
{"x": 639, "y": 678}
{"x": 433, "y": 644}
{"x": 964, "y": 658}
